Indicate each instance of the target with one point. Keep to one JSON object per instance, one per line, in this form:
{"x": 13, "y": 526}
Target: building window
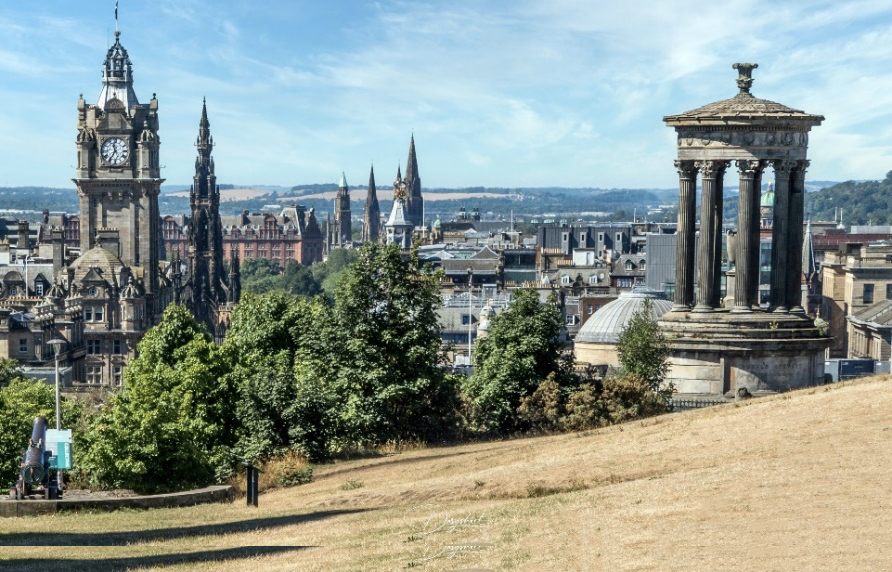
{"x": 888, "y": 291}
{"x": 467, "y": 319}
{"x": 642, "y": 265}
{"x": 116, "y": 347}
{"x": 23, "y": 345}
{"x": 868, "y": 293}
{"x": 565, "y": 279}
{"x": 118, "y": 377}
{"x": 93, "y": 347}
{"x": 38, "y": 288}
{"x": 13, "y": 291}
{"x": 94, "y": 374}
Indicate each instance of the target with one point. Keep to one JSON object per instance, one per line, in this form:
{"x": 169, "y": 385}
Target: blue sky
{"x": 498, "y": 93}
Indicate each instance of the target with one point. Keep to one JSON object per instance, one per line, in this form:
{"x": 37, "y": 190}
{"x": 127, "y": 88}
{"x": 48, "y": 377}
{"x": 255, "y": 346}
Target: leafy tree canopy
{"x": 171, "y": 426}
{"x": 643, "y": 349}
{"x": 390, "y": 356}
{"x": 522, "y": 348}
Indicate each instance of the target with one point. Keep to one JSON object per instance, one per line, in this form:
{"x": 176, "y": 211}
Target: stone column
{"x": 710, "y": 171}
{"x": 780, "y": 236}
{"x": 687, "y": 223}
{"x": 755, "y": 274}
{"x": 797, "y": 212}
{"x": 718, "y": 235}
{"x": 747, "y": 240}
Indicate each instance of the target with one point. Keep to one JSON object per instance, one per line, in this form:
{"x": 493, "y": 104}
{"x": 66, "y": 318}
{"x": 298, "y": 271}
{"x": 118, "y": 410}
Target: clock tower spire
{"x": 118, "y": 177}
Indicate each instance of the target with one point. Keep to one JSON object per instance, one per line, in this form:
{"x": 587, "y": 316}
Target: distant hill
{"x": 862, "y": 202}
{"x": 865, "y": 202}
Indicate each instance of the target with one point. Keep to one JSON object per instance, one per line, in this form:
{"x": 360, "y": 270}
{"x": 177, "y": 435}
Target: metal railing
{"x": 686, "y": 404}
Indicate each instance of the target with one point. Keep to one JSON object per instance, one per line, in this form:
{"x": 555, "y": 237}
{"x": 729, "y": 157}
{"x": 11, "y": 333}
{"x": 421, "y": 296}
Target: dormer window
{"x": 641, "y": 264}
{"x": 629, "y": 265}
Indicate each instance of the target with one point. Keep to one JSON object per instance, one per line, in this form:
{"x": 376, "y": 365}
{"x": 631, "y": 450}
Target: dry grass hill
{"x": 792, "y": 482}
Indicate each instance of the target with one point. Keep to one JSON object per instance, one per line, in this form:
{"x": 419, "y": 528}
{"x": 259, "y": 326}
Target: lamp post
{"x": 470, "y": 311}
{"x": 57, "y": 348}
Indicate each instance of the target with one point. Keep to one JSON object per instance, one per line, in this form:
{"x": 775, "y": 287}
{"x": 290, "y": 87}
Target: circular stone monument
{"x": 716, "y": 348}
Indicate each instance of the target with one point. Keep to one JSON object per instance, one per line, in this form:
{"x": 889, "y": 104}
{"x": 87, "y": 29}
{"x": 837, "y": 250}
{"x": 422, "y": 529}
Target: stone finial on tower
{"x": 745, "y": 76}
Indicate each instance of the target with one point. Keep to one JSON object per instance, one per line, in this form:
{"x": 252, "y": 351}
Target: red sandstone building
{"x": 293, "y": 234}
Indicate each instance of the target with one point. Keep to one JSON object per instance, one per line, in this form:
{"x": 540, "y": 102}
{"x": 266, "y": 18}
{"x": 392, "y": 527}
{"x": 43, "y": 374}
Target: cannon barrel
{"x": 34, "y": 469}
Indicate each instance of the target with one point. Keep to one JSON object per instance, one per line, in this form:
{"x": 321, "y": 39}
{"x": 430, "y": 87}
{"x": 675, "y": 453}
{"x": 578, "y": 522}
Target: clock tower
{"x": 118, "y": 174}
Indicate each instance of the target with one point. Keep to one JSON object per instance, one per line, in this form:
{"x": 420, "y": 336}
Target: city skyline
{"x": 564, "y": 93}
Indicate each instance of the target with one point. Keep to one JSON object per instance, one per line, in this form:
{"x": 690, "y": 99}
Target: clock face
{"x": 115, "y": 151}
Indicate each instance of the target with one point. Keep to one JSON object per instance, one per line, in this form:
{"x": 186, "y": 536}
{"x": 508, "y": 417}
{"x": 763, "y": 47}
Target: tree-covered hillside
{"x": 867, "y": 202}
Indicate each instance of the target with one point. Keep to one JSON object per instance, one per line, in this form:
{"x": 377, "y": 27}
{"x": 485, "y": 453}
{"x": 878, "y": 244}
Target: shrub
{"x": 289, "y": 470}
{"x": 629, "y": 396}
{"x": 585, "y": 409}
{"x": 351, "y": 485}
{"x": 543, "y": 409}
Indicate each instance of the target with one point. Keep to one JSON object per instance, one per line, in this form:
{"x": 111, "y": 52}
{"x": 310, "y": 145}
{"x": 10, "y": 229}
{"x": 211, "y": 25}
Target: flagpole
{"x": 116, "y": 17}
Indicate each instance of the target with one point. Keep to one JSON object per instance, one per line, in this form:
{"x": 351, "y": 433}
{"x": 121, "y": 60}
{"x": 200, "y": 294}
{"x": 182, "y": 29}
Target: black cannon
{"x": 35, "y": 466}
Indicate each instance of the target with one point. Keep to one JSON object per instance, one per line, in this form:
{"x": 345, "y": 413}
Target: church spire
{"x": 204, "y": 129}
{"x": 372, "y": 215}
{"x": 205, "y": 181}
{"x": 412, "y": 164}
{"x": 414, "y": 200}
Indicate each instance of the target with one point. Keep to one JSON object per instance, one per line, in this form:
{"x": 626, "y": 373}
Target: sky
{"x": 497, "y": 93}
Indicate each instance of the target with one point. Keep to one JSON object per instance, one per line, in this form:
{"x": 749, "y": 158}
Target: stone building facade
{"x": 101, "y": 298}
{"x": 853, "y": 283}
{"x": 292, "y": 234}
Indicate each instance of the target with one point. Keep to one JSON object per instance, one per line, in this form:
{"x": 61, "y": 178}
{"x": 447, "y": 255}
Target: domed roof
{"x": 606, "y": 325}
{"x": 97, "y": 257}
{"x": 744, "y": 105}
{"x": 743, "y": 108}
{"x": 767, "y": 199}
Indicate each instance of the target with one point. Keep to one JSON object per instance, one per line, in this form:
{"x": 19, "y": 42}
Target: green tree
{"x": 172, "y": 426}
{"x": 522, "y": 348}
{"x": 329, "y": 273}
{"x": 299, "y": 279}
{"x": 260, "y": 275}
{"x": 10, "y": 369}
{"x": 390, "y": 361}
{"x": 272, "y": 338}
{"x": 643, "y": 349}
{"x": 21, "y": 400}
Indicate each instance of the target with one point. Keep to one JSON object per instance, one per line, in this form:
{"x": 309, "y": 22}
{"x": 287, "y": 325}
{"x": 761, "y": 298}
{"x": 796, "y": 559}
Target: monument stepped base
{"x": 720, "y": 352}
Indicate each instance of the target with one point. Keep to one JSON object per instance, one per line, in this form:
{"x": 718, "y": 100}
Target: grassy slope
{"x": 792, "y": 482}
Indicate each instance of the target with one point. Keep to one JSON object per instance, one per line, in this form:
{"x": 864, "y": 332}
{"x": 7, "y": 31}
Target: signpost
{"x": 58, "y": 443}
